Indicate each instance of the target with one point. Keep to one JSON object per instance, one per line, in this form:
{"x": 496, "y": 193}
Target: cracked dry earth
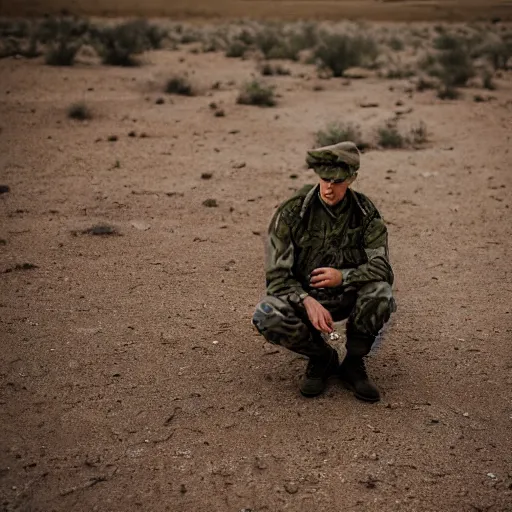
{"x": 131, "y": 378}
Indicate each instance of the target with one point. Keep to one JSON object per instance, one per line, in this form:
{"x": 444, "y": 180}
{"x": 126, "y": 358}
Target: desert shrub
{"x": 179, "y": 85}
{"x": 267, "y": 40}
{"x": 14, "y": 28}
{"x": 268, "y": 69}
{"x": 453, "y": 67}
{"x": 388, "y": 136}
{"x": 395, "y": 43}
{"x": 52, "y": 30}
{"x": 457, "y": 67}
{"x": 236, "y": 49}
{"x": 488, "y": 80}
{"x": 399, "y": 72}
{"x": 447, "y": 41}
{"x": 340, "y": 132}
{"x": 119, "y": 45}
{"x": 257, "y": 93}
{"x": 447, "y": 92}
{"x": 62, "y": 53}
{"x": 418, "y": 134}
{"x": 338, "y": 52}
{"x": 424, "y": 84}
{"x": 498, "y": 50}
{"x": 10, "y": 47}
{"x": 79, "y": 111}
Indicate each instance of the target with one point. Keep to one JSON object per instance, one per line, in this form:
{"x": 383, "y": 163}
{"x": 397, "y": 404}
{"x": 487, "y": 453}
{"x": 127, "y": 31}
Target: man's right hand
{"x": 318, "y": 315}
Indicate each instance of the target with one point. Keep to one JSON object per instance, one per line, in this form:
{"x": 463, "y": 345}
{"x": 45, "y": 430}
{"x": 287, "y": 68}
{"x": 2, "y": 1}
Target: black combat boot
{"x": 354, "y": 377}
{"x": 319, "y": 369}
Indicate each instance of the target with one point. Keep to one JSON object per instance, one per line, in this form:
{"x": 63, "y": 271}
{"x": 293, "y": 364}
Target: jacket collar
{"x": 311, "y": 195}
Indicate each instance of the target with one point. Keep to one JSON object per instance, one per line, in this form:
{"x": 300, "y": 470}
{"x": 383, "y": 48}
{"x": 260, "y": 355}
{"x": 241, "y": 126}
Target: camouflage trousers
{"x": 367, "y": 309}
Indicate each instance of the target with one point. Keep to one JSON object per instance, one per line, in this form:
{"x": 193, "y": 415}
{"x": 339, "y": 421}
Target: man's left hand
{"x": 325, "y": 277}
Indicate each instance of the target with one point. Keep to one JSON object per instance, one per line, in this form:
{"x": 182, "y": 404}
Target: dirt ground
{"x": 131, "y": 378}
{"x": 395, "y": 10}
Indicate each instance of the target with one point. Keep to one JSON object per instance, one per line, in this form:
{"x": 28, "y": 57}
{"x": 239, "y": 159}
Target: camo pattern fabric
{"x": 367, "y": 308}
{"x": 339, "y": 161}
{"x": 306, "y": 234}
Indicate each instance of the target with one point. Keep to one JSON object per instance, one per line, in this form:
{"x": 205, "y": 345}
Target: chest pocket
{"x": 353, "y": 248}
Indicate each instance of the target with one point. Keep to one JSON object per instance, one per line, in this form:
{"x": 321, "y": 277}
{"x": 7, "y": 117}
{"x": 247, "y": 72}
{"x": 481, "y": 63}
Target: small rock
{"x": 220, "y": 113}
{"x": 210, "y": 203}
{"x": 291, "y": 487}
{"x": 4, "y": 189}
{"x": 132, "y": 134}
{"x": 112, "y": 138}
{"x": 160, "y": 101}
{"x": 142, "y": 226}
{"x": 183, "y": 489}
{"x": 466, "y": 415}
{"x": 206, "y": 175}
{"x": 239, "y": 165}
{"x": 369, "y": 105}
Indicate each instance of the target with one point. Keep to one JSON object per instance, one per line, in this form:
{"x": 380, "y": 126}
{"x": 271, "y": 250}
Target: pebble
{"x": 291, "y": 487}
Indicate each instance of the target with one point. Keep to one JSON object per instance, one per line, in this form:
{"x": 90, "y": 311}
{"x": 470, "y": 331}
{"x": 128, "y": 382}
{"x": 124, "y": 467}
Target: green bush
{"x": 340, "y": 132}
{"x": 79, "y": 111}
{"x": 62, "y": 53}
{"x": 179, "y": 85}
{"x": 498, "y": 50}
{"x": 119, "y": 45}
{"x": 338, "y": 52}
{"x": 257, "y": 93}
{"x": 447, "y": 92}
{"x": 418, "y": 134}
{"x": 236, "y": 49}
{"x": 389, "y": 137}
{"x": 268, "y": 69}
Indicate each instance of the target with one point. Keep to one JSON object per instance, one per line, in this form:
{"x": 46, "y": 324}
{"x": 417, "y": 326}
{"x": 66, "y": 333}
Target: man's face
{"x": 331, "y": 192}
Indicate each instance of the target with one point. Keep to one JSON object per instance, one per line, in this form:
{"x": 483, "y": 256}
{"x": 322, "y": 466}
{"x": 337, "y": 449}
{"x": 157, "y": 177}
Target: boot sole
{"x": 357, "y": 395}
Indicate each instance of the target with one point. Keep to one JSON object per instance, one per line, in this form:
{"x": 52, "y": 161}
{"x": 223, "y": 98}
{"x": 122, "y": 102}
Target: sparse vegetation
{"x": 236, "y": 49}
{"x": 179, "y": 85}
{"x": 340, "y": 132}
{"x": 447, "y": 93}
{"x": 424, "y": 84}
{"x": 339, "y": 52}
{"x": 257, "y": 93}
{"x": 79, "y": 111}
{"x": 119, "y": 45}
{"x": 268, "y": 69}
{"x": 418, "y": 134}
{"x": 62, "y": 53}
{"x": 488, "y": 80}
{"x": 389, "y": 137}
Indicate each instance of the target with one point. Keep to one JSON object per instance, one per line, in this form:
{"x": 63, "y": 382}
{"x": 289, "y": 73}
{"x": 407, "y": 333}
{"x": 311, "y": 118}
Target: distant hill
{"x": 392, "y": 10}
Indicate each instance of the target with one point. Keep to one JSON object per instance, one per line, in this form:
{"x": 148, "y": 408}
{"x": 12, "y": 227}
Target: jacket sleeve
{"x": 280, "y": 255}
{"x": 377, "y": 267}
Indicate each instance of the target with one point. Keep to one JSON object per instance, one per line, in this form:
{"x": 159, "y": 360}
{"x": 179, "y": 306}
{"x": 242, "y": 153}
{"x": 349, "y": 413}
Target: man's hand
{"x": 325, "y": 277}
{"x": 318, "y": 315}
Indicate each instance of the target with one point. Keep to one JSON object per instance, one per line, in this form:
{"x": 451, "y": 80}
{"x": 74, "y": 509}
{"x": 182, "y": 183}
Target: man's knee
{"x": 374, "y": 306}
{"x": 277, "y": 321}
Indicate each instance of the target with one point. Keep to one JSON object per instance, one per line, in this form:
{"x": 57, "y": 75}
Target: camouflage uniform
{"x": 304, "y": 234}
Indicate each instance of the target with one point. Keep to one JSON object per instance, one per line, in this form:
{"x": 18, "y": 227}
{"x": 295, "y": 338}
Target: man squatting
{"x": 327, "y": 260}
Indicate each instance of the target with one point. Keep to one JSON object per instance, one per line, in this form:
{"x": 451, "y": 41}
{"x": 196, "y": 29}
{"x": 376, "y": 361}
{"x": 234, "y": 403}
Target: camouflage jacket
{"x": 305, "y": 234}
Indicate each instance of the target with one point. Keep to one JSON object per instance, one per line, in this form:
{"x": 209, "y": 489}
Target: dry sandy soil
{"x": 396, "y": 10}
{"x": 131, "y": 378}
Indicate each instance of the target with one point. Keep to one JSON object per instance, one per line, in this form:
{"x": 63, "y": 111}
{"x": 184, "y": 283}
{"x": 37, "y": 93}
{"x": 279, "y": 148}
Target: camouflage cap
{"x": 339, "y": 161}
